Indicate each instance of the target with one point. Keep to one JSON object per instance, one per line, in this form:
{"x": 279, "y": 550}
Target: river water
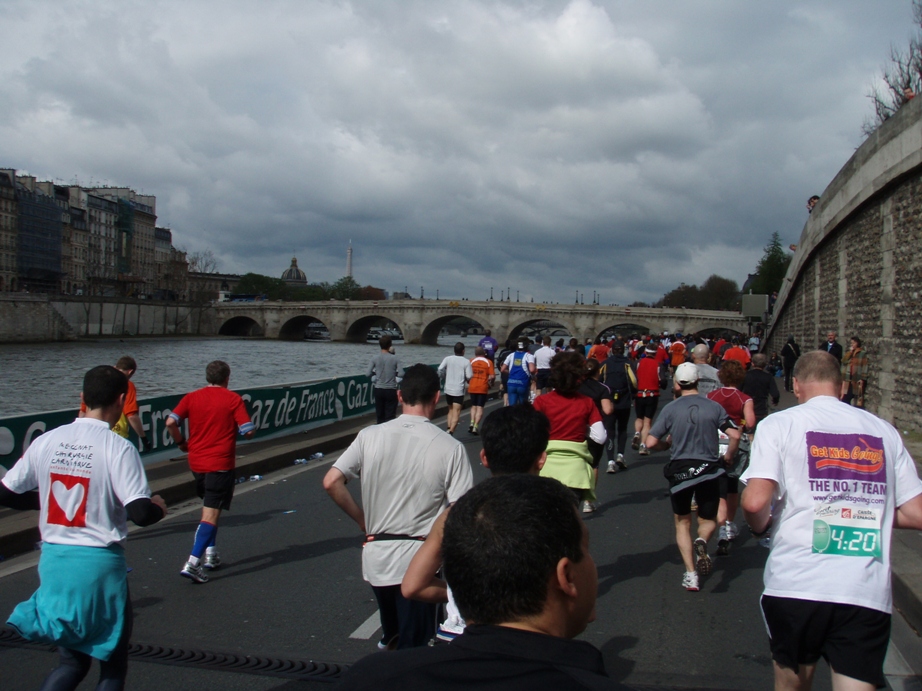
{"x": 49, "y": 376}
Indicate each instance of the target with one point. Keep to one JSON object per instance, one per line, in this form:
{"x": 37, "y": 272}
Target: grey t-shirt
{"x": 707, "y": 379}
{"x": 693, "y": 422}
{"x": 384, "y": 366}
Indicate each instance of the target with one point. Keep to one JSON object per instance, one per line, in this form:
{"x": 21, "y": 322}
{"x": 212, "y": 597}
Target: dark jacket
{"x": 760, "y": 385}
{"x": 835, "y": 349}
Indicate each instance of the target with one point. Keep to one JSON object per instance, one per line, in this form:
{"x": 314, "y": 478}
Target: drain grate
{"x": 301, "y": 670}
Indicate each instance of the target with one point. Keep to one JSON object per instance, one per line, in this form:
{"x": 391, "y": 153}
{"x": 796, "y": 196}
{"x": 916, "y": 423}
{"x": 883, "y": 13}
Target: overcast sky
{"x": 611, "y": 145}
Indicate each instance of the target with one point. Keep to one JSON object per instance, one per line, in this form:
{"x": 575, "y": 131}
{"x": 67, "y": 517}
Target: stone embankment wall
{"x": 37, "y": 318}
{"x": 858, "y": 268}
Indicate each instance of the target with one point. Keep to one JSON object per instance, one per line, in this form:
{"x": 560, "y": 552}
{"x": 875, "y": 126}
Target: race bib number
{"x": 848, "y": 480}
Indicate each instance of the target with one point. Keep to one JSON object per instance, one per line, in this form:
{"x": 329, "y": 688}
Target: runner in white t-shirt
{"x": 543, "y": 357}
{"x": 840, "y": 480}
{"x": 409, "y": 470}
{"x": 89, "y": 480}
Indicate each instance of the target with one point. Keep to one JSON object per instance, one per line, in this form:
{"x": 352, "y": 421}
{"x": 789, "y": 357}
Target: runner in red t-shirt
{"x": 647, "y": 398}
{"x": 215, "y": 416}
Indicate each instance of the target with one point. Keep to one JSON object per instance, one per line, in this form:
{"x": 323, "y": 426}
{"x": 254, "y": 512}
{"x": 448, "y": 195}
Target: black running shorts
{"x": 729, "y": 485}
{"x": 454, "y": 400}
{"x": 646, "y": 407}
{"x": 479, "y": 399}
{"x": 706, "y": 493}
{"x": 852, "y": 639}
{"x": 215, "y": 489}
{"x": 542, "y": 378}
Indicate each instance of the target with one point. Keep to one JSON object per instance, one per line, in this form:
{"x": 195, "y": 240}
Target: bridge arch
{"x": 357, "y": 331}
{"x": 624, "y": 329}
{"x": 241, "y": 325}
{"x": 516, "y": 330}
{"x": 431, "y": 331}
{"x": 296, "y": 328}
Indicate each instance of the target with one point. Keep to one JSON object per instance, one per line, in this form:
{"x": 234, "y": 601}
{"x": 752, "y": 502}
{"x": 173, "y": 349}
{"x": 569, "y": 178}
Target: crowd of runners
{"x": 507, "y": 561}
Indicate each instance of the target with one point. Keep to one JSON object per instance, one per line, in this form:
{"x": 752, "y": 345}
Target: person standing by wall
{"x": 386, "y": 372}
{"x": 789, "y": 354}
{"x": 854, "y": 373}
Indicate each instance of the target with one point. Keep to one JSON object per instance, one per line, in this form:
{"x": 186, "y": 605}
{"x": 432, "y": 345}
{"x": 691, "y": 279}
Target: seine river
{"x": 48, "y": 376}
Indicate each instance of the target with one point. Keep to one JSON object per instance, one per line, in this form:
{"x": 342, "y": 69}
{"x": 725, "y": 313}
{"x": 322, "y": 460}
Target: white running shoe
{"x": 620, "y": 462}
{"x": 611, "y": 467}
{"x": 588, "y": 507}
{"x": 211, "y": 561}
{"x": 194, "y": 573}
{"x": 644, "y": 451}
{"x": 690, "y": 581}
{"x": 732, "y": 531}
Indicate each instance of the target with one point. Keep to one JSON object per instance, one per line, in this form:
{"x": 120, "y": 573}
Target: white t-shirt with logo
{"x": 85, "y": 475}
{"x": 841, "y": 474}
{"x": 410, "y": 471}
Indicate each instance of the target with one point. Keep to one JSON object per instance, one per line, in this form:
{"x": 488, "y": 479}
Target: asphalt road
{"x": 291, "y": 589}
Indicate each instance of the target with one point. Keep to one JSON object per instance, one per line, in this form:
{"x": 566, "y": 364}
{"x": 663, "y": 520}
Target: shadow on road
{"x": 618, "y": 667}
{"x": 637, "y": 565}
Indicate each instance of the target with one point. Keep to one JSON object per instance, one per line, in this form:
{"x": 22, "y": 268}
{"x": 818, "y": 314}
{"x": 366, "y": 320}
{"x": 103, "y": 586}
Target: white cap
{"x": 686, "y": 373}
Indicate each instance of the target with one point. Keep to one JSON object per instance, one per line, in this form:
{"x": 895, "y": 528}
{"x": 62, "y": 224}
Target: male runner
{"x": 688, "y": 425}
{"x": 479, "y": 387}
{"x": 89, "y": 480}
{"x": 455, "y": 372}
{"x": 410, "y": 470}
{"x": 521, "y": 367}
{"x": 840, "y": 480}
{"x": 707, "y": 375}
{"x": 543, "y": 357}
{"x": 216, "y": 415}
{"x": 129, "y": 418}
{"x": 514, "y": 441}
{"x": 386, "y": 370}
{"x": 489, "y": 344}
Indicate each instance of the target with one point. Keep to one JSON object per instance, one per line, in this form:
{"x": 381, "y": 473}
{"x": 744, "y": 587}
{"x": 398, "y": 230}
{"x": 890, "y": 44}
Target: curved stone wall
{"x": 858, "y": 268}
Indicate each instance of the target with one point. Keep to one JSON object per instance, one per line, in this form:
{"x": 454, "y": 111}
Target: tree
{"x": 903, "y": 71}
{"x": 716, "y": 293}
{"x": 202, "y": 262}
{"x": 257, "y": 284}
{"x": 771, "y": 268}
{"x": 345, "y": 289}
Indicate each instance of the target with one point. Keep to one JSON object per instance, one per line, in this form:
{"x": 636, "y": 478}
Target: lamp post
{"x": 491, "y": 293}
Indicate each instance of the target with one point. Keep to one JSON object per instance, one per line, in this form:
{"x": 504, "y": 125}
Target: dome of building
{"x": 293, "y": 275}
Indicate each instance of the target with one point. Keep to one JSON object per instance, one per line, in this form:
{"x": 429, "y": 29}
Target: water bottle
{"x": 255, "y": 478}
{"x": 315, "y": 456}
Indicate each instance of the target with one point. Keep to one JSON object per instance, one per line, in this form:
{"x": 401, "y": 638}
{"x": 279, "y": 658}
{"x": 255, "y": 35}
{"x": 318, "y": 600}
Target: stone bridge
{"x": 857, "y": 269}
{"x": 420, "y": 321}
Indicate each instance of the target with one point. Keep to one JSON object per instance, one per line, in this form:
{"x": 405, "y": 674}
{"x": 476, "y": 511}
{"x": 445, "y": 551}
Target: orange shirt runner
{"x": 483, "y": 371}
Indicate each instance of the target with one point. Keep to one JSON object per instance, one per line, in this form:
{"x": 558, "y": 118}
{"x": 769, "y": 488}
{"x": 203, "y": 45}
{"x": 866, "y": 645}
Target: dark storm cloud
{"x": 546, "y": 147}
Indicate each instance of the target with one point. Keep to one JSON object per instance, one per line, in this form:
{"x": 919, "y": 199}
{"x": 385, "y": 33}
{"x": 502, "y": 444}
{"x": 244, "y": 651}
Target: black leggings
{"x": 75, "y": 665}
{"x": 617, "y": 423}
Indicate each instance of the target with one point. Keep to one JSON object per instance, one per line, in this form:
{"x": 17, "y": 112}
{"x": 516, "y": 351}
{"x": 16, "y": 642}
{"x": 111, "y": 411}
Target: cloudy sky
{"x": 610, "y": 145}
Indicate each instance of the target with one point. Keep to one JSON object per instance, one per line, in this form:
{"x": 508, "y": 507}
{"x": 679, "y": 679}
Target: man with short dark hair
{"x": 543, "y": 357}
{"x": 410, "y": 470}
{"x": 130, "y": 417}
{"x": 89, "y": 481}
{"x": 455, "y": 372}
{"x": 689, "y": 426}
{"x": 386, "y": 372}
{"x": 216, "y": 415}
{"x": 840, "y": 479}
{"x": 522, "y": 606}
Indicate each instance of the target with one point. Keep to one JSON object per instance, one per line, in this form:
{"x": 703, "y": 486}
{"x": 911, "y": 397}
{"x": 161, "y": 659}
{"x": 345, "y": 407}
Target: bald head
{"x": 700, "y": 353}
{"x": 816, "y": 373}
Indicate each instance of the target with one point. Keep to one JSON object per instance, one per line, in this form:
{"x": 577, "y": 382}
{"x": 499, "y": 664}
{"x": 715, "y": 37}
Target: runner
{"x": 409, "y": 471}
{"x": 482, "y": 379}
{"x": 570, "y": 414}
{"x": 82, "y": 604}
{"x": 738, "y": 353}
{"x": 498, "y": 361}
{"x": 621, "y": 380}
{"x": 647, "y": 397}
{"x": 386, "y": 371}
{"x": 520, "y": 366}
{"x": 489, "y": 345}
{"x": 129, "y": 418}
{"x": 689, "y": 426}
{"x": 455, "y": 372}
{"x": 601, "y": 396}
{"x": 676, "y": 353}
{"x": 216, "y": 415}
{"x": 543, "y": 364}
{"x": 740, "y": 408}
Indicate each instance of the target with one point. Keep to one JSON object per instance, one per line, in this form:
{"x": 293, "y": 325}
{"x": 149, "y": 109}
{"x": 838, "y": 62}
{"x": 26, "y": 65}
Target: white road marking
{"x": 369, "y": 628}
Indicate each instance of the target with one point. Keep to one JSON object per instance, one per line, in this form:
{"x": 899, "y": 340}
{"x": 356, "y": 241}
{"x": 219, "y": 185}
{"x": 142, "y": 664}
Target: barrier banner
{"x": 272, "y": 410}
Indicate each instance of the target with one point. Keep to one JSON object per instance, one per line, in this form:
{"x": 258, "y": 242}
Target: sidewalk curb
{"x": 906, "y": 565}
{"x": 173, "y": 481}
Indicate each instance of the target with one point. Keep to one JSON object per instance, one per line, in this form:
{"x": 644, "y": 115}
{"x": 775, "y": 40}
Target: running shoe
{"x": 732, "y": 531}
{"x": 620, "y": 461}
{"x": 611, "y": 467}
{"x": 690, "y": 581}
{"x": 588, "y": 507}
{"x": 475, "y": 432}
{"x": 470, "y": 429}
{"x": 194, "y": 573}
{"x": 635, "y": 442}
{"x": 702, "y": 560}
{"x": 644, "y": 451}
{"x": 386, "y": 645}
{"x": 212, "y": 561}
{"x": 723, "y": 542}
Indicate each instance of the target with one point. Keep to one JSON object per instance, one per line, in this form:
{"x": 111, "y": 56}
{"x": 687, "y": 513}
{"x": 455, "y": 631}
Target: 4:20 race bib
{"x": 848, "y": 481}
